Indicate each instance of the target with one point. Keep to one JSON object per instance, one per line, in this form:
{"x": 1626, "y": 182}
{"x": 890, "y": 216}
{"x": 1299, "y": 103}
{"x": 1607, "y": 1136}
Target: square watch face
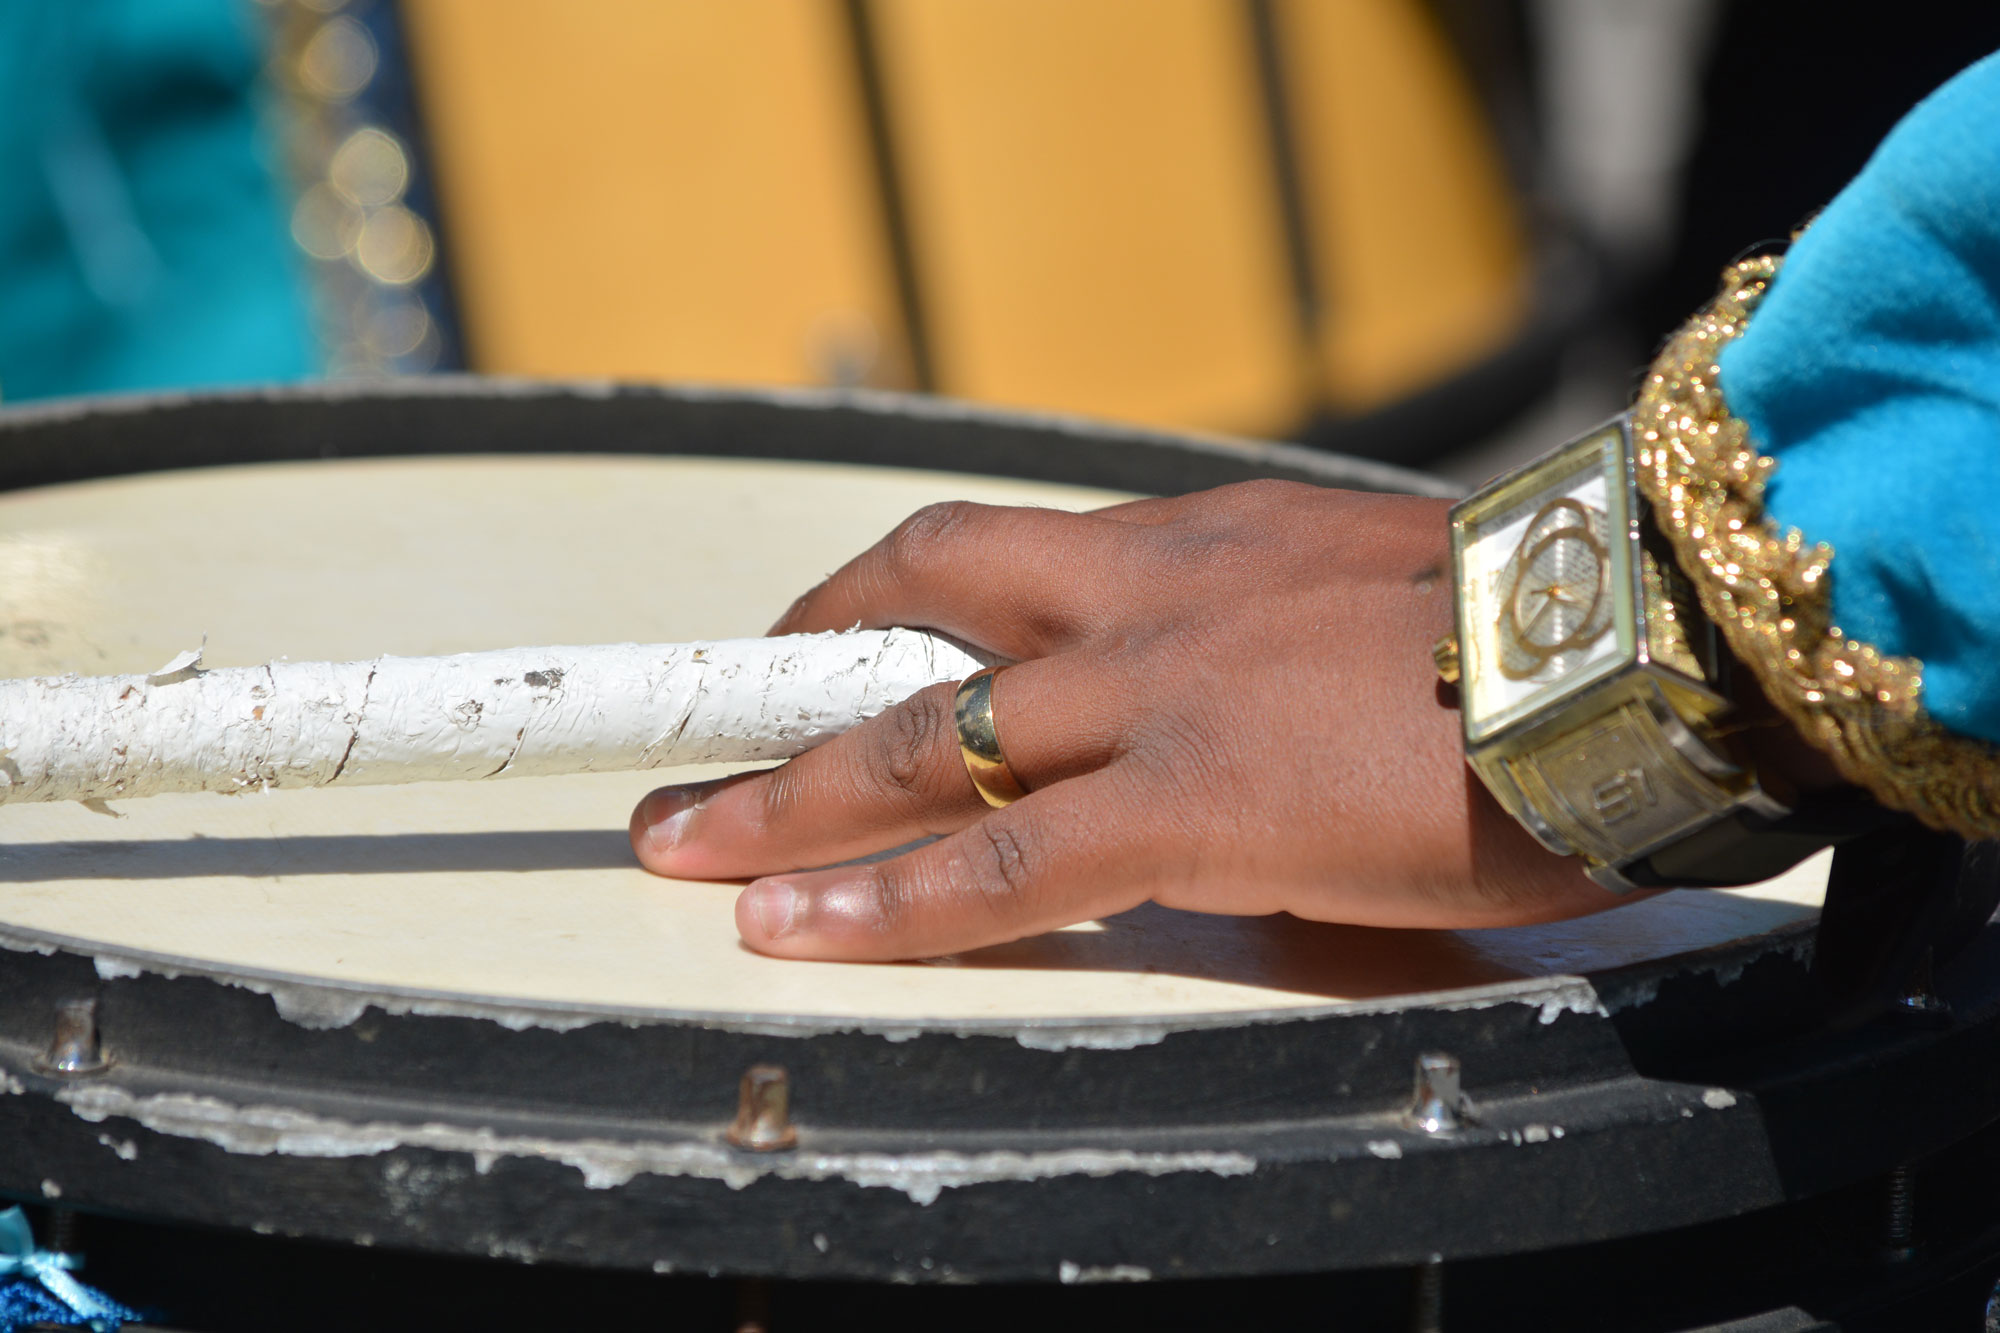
{"x": 1546, "y": 588}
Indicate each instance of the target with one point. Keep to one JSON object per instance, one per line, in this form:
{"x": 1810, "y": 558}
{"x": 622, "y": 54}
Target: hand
{"x": 1223, "y": 702}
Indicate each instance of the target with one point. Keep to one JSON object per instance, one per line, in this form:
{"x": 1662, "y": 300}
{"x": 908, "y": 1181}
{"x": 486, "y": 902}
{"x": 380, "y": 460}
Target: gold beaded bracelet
{"x": 1770, "y": 591}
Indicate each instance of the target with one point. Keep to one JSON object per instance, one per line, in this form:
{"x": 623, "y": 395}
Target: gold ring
{"x": 979, "y": 743}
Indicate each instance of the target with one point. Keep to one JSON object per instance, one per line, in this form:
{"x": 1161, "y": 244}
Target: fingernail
{"x": 667, "y": 815}
{"x": 774, "y": 903}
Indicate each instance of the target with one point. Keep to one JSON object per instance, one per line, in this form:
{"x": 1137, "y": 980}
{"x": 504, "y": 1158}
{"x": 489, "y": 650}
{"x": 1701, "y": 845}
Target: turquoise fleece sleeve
{"x": 1871, "y": 373}
{"x": 143, "y": 230}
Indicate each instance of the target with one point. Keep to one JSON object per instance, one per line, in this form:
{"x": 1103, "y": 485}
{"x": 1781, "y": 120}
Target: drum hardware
{"x": 75, "y": 1050}
{"x": 753, "y": 1306}
{"x": 1901, "y": 904}
{"x": 763, "y": 1111}
{"x": 63, "y": 1229}
{"x": 1440, "y": 1105}
{"x": 1427, "y": 1296}
{"x": 1899, "y": 1230}
{"x": 1920, "y": 1001}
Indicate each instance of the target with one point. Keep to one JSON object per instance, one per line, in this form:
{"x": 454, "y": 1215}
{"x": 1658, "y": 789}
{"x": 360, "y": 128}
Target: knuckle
{"x": 913, "y": 738}
{"x": 893, "y": 906}
{"x": 782, "y": 796}
{"x": 1179, "y": 754}
{"x": 1243, "y": 525}
{"x": 1272, "y": 493}
{"x": 992, "y": 874}
{"x": 919, "y": 541}
{"x": 1190, "y": 555}
{"x": 1004, "y": 869}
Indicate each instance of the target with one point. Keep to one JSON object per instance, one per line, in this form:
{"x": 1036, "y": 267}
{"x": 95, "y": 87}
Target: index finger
{"x": 1074, "y": 852}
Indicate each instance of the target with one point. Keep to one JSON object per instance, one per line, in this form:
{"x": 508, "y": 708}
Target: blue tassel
{"x": 41, "y": 1289}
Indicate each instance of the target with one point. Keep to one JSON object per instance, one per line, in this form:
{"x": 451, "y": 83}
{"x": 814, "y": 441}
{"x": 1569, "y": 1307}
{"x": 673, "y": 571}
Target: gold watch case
{"x": 1589, "y": 681}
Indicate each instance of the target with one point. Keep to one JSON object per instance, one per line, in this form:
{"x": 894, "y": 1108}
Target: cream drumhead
{"x": 525, "y": 892}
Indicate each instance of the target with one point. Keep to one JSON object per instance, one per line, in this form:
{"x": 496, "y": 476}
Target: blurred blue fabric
{"x": 143, "y": 234}
{"x": 1871, "y": 373}
{"x": 38, "y": 1286}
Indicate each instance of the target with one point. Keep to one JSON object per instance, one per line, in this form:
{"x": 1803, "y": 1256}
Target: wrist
{"x": 1784, "y": 761}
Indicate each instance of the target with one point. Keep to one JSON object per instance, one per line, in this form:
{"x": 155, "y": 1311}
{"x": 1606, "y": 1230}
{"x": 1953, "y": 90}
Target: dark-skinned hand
{"x": 1223, "y": 702}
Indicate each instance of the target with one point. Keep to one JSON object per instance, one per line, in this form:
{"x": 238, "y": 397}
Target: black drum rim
{"x": 1096, "y": 453}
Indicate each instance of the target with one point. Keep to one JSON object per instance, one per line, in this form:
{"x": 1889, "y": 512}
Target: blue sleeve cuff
{"x": 1871, "y": 373}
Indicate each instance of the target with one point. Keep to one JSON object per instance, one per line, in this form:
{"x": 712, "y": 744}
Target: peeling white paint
{"x": 316, "y": 1008}
{"x": 125, "y": 1149}
{"x": 1587, "y": 1002}
{"x": 502, "y": 1247}
{"x": 513, "y": 1019}
{"x": 28, "y": 944}
{"x": 515, "y": 712}
{"x": 322, "y": 1007}
{"x": 1075, "y": 1274}
{"x": 607, "y": 1164}
{"x": 182, "y": 666}
{"x": 1552, "y": 996}
{"x": 1799, "y": 946}
{"x": 1633, "y": 994}
{"x": 924, "y": 1176}
{"x": 1795, "y": 942}
{"x": 1089, "y": 1038}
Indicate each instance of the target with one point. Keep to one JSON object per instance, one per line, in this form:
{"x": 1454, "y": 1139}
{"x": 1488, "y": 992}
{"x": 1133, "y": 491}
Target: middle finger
{"x": 1022, "y": 582}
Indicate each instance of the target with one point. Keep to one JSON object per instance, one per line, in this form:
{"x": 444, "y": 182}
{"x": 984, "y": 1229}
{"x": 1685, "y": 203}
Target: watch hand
{"x": 1535, "y": 619}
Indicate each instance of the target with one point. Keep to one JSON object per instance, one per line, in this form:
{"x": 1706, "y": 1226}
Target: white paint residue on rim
{"x": 607, "y": 1164}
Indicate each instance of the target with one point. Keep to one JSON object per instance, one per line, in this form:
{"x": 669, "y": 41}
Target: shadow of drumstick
{"x": 495, "y": 852}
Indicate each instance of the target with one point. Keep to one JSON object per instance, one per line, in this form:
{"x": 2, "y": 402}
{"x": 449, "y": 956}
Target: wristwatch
{"x": 1596, "y": 697}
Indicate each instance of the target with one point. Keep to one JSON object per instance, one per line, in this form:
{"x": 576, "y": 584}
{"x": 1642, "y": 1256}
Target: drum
{"x": 460, "y": 1021}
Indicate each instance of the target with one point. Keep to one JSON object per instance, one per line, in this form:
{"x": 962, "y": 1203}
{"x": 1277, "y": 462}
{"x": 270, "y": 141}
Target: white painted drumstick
{"x": 515, "y": 712}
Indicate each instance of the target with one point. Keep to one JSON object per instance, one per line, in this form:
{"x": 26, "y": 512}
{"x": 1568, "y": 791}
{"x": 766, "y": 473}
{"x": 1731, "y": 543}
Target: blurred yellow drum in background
{"x": 1196, "y": 213}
